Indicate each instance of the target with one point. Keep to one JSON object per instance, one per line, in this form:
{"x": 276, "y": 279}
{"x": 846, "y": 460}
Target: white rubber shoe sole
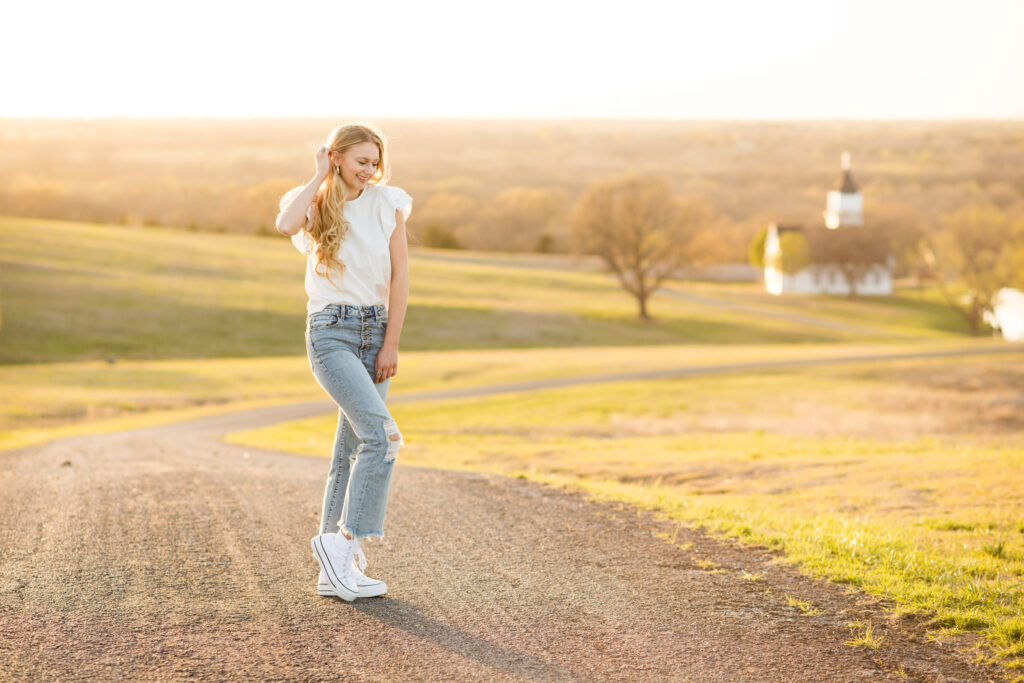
{"x": 368, "y": 588}
{"x": 337, "y": 577}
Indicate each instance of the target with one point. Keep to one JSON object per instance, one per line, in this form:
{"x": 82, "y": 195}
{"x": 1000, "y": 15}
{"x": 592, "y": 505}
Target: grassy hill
{"x": 108, "y": 322}
{"x": 83, "y": 291}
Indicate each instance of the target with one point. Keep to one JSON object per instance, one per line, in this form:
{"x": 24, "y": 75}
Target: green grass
{"x": 866, "y": 638}
{"x": 79, "y": 291}
{"x": 82, "y": 291}
{"x": 925, "y": 512}
{"x": 46, "y": 400}
{"x": 915, "y": 311}
{"x": 803, "y": 605}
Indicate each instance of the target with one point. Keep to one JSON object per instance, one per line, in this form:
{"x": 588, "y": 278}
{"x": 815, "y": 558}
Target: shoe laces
{"x": 358, "y": 555}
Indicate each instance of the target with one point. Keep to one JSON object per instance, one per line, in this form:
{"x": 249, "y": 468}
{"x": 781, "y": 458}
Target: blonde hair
{"x": 329, "y": 226}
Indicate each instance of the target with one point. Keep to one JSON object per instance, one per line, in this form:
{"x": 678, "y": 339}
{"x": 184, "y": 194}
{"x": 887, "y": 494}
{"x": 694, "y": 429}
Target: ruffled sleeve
{"x": 394, "y": 199}
{"x": 300, "y": 239}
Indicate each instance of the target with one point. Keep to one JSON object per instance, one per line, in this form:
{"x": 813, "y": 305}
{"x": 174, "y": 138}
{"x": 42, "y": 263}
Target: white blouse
{"x": 365, "y": 250}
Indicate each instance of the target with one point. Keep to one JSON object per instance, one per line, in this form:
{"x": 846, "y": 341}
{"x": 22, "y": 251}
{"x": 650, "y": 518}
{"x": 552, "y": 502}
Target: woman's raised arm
{"x": 292, "y": 216}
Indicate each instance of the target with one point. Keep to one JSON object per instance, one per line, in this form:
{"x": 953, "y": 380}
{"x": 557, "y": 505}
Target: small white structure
{"x": 844, "y": 210}
{"x": 1007, "y": 314}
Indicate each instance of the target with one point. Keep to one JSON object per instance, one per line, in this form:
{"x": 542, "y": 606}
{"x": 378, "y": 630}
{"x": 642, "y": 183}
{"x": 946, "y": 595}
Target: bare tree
{"x": 902, "y": 228}
{"x": 641, "y": 232}
{"x": 853, "y": 250}
{"x": 978, "y": 252}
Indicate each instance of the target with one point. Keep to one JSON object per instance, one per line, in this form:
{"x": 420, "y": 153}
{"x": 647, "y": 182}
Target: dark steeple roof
{"x": 845, "y": 183}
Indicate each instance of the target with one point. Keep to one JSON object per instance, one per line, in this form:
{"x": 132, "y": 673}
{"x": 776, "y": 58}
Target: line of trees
{"x": 229, "y": 175}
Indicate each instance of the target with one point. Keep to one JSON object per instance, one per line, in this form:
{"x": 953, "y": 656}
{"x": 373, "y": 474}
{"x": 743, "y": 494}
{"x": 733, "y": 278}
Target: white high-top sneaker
{"x": 366, "y": 587}
{"x": 335, "y": 554}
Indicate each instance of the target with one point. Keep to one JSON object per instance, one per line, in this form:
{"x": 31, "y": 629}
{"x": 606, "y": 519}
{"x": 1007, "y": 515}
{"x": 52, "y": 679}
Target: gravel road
{"x": 164, "y": 554}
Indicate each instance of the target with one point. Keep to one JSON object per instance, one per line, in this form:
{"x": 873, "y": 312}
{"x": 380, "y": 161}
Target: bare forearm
{"x": 398, "y": 302}
{"x": 293, "y": 216}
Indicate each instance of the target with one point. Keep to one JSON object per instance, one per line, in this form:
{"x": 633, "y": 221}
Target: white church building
{"x": 844, "y": 210}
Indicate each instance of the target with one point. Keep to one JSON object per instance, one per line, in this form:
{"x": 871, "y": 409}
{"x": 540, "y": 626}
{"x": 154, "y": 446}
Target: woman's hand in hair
{"x": 323, "y": 163}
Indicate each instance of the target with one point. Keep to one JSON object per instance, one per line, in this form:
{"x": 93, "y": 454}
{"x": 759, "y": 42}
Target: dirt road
{"x": 164, "y": 554}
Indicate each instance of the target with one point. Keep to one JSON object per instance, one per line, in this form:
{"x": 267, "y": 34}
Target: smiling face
{"x": 358, "y": 164}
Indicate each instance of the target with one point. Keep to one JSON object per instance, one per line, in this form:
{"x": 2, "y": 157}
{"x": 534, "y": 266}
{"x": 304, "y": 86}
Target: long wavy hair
{"x": 329, "y": 225}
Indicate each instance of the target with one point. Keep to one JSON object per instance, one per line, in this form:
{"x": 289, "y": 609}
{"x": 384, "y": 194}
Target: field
{"x": 900, "y": 478}
{"x": 95, "y": 292}
{"x": 102, "y": 322}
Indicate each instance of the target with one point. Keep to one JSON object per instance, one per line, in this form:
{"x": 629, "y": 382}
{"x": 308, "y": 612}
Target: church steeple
{"x": 845, "y": 183}
{"x": 844, "y": 205}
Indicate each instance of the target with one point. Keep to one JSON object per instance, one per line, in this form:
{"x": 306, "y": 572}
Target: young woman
{"x": 351, "y": 226}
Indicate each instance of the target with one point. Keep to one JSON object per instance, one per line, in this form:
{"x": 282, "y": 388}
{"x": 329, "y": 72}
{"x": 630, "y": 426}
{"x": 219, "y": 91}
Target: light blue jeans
{"x": 342, "y": 342}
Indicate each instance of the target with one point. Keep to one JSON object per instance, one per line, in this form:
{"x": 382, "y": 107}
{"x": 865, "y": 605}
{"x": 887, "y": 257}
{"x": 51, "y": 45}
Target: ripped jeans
{"x": 342, "y": 342}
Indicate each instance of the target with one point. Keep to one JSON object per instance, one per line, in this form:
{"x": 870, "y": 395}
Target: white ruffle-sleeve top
{"x": 365, "y": 251}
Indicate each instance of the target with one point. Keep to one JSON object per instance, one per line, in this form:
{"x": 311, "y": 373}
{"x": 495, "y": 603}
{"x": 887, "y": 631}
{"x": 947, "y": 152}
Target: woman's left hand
{"x": 387, "y": 363}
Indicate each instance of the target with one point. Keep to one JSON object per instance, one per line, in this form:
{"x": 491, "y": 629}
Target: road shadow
{"x": 407, "y": 617}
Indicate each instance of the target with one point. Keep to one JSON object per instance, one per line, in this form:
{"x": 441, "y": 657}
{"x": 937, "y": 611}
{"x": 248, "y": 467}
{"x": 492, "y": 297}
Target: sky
{"x": 668, "y": 59}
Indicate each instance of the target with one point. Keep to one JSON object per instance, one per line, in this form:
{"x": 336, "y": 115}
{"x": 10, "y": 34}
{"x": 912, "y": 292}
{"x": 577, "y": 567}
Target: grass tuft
{"x": 867, "y": 637}
{"x": 803, "y": 605}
